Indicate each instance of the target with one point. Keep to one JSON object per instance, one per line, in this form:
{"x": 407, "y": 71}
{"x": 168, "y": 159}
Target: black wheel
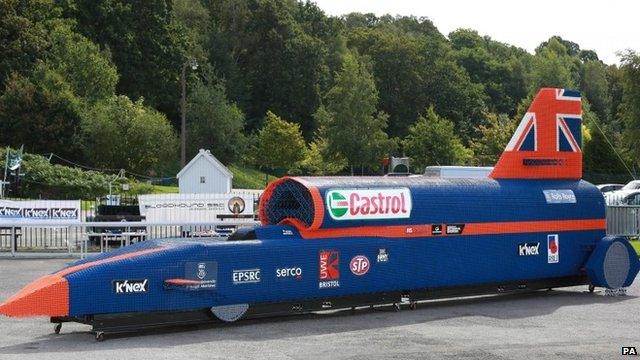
{"x": 413, "y": 305}
{"x": 99, "y": 336}
{"x": 592, "y": 288}
{"x": 57, "y": 327}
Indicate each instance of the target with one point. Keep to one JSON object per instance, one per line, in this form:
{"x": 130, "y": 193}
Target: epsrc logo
{"x": 247, "y": 276}
{"x": 131, "y": 286}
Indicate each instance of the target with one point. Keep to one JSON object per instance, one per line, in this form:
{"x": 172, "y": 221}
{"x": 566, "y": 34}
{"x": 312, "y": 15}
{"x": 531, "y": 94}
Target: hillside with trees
{"x": 283, "y": 87}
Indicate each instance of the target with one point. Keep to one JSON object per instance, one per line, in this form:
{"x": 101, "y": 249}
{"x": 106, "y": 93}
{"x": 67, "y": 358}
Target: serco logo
{"x": 292, "y": 272}
{"x": 356, "y": 204}
{"x": 359, "y": 265}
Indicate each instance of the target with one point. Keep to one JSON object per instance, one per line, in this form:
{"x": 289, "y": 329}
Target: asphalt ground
{"x": 560, "y": 324}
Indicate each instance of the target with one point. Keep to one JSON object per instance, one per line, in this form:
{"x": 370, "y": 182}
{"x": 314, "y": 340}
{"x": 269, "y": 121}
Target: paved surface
{"x": 567, "y": 324}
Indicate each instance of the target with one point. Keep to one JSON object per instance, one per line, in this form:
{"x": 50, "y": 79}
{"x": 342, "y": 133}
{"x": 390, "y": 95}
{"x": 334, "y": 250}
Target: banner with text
{"x": 39, "y": 210}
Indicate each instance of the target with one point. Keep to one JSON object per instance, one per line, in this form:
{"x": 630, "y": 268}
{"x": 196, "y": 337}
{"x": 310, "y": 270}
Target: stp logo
{"x": 359, "y": 265}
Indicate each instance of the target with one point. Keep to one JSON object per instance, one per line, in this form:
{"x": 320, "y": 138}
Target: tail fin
{"x": 547, "y": 143}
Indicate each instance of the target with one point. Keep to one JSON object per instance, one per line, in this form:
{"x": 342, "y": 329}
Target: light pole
{"x": 183, "y": 109}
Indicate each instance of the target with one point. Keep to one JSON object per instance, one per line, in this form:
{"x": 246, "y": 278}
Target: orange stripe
{"x": 496, "y": 228}
{"x": 182, "y": 282}
{"x": 318, "y": 204}
{"x": 49, "y": 295}
{"x": 73, "y": 269}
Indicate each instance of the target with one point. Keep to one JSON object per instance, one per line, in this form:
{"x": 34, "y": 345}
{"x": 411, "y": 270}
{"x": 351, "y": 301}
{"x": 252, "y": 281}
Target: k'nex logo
{"x": 130, "y": 286}
{"x": 357, "y": 204}
{"x": 528, "y": 249}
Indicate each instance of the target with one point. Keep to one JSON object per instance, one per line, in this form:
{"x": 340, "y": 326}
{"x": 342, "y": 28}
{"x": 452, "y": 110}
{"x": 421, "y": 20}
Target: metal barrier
{"x": 83, "y": 237}
{"x": 623, "y": 220}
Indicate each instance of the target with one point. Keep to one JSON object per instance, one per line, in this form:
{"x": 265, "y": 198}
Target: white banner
{"x": 198, "y": 208}
{"x": 39, "y": 210}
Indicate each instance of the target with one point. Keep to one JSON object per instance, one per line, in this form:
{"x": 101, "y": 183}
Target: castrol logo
{"x": 362, "y": 204}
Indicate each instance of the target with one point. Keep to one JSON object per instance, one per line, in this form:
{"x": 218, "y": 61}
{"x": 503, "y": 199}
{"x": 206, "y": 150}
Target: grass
{"x": 636, "y": 245}
{"x": 248, "y": 178}
{"x": 160, "y": 189}
{"x": 243, "y": 178}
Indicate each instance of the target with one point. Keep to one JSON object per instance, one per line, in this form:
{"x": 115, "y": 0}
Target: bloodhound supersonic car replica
{"x": 341, "y": 242}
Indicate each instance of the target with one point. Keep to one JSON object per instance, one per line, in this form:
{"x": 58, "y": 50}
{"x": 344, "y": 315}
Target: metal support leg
{"x": 14, "y": 241}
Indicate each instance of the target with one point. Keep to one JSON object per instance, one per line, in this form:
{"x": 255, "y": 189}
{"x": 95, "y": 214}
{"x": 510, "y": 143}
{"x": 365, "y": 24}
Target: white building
{"x": 204, "y": 174}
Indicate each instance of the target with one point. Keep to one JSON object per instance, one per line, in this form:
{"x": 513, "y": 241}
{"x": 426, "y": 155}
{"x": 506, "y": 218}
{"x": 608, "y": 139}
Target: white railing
{"x": 623, "y": 220}
{"x": 76, "y": 237}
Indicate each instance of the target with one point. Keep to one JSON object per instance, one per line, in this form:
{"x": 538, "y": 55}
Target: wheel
{"x": 396, "y": 306}
{"x": 413, "y": 305}
{"x": 57, "y": 327}
{"x": 99, "y": 336}
{"x": 592, "y": 288}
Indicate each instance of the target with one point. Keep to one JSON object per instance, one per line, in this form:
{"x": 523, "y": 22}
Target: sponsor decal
{"x": 454, "y": 229}
{"x": 236, "y": 205}
{"x": 329, "y": 269}
{"x": 289, "y": 273}
{"x": 543, "y": 162}
{"x": 205, "y": 272}
{"x": 246, "y": 276}
{"x": 187, "y": 205}
{"x": 629, "y": 350}
{"x": 10, "y": 212}
{"x": 553, "y": 249}
{"x": 383, "y": 256}
{"x": 130, "y": 286}
{"x": 559, "y": 196}
{"x": 529, "y": 249}
{"x": 52, "y": 213}
{"x": 287, "y": 232}
{"x": 362, "y": 204}
{"x": 359, "y": 265}
{"x": 436, "y": 229}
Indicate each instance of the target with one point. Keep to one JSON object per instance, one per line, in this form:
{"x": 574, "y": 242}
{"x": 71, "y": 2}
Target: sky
{"x": 604, "y": 26}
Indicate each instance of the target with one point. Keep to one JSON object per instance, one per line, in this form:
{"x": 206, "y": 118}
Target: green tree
{"x": 214, "y": 123}
{"x": 493, "y": 139}
{"x": 596, "y": 88}
{"x": 40, "y": 111}
{"x": 118, "y": 133}
{"x": 146, "y": 44}
{"x": 551, "y": 67}
{"x": 273, "y": 55}
{"x": 88, "y": 71}
{"x": 318, "y": 161}
{"x": 23, "y": 34}
{"x": 630, "y": 107}
{"x": 493, "y": 65}
{"x": 432, "y": 141}
{"x": 351, "y": 126}
{"x": 279, "y": 144}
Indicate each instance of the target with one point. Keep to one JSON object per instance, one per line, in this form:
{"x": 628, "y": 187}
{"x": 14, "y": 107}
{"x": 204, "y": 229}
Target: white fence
{"x": 82, "y": 237}
{"x": 623, "y": 220}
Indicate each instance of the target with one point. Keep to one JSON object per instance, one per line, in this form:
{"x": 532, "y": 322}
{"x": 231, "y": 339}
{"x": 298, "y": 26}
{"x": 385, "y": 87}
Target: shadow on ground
{"x": 502, "y": 307}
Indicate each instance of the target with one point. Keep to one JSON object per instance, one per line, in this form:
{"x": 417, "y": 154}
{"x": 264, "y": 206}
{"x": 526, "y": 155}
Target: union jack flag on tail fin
{"x": 547, "y": 143}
